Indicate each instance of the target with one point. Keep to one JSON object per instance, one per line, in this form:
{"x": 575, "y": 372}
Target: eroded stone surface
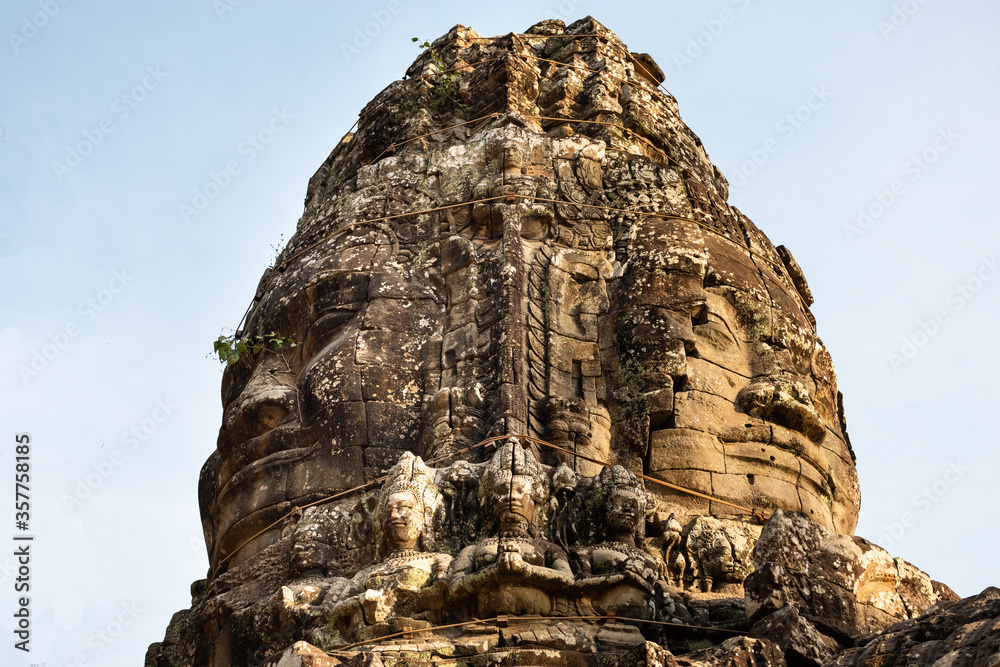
{"x": 841, "y": 588}
{"x": 964, "y": 633}
{"x": 736, "y": 652}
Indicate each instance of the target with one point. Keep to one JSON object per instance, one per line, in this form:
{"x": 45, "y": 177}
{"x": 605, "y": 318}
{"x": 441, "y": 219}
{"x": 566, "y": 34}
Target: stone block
{"x": 423, "y": 317}
{"x": 732, "y": 266}
{"x": 756, "y": 491}
{"x": 798, "y": 639}
{"x": 565, "y": 352}
{"x": 694, "y": 480}
{"x": 711, "y": 378}
{"x": 735, "y": 652}
{"x": 671, "y": 245}
{"x": 301, "y": 654}
{"x": 332, "y": 378}
{"x": 387, "y": 284}
{"x": 698, "y": 411}
{"x": 325, "y": 472}
{"x": 342, "y": 425}
{"x": 680, "y": 449}
{"x": 460, "y": 345}
{"x": 332, "y": 291}
{"x": 393, "y": 425}
{"x": 392, "y": 385}
{"x": 456, "y": 253}
{"x": 667, "y": 289}
{"x": 755, "y": 458}
{"x": 399, "y": 350}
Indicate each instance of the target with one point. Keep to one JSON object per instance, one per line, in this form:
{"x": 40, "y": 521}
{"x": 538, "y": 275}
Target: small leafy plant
{"x": 447, "y": 83}
{"x": 229, "y": 349}
{"x": 278, "y": 248}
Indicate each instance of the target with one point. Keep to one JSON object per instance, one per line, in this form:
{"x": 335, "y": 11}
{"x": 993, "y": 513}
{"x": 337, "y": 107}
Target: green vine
{"x": 229, "y": 349}
{"x": 447, "y": 83}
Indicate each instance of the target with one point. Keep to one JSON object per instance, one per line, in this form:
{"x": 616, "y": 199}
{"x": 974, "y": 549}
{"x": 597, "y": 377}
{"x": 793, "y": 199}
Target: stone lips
{"x": 587, "y": 284}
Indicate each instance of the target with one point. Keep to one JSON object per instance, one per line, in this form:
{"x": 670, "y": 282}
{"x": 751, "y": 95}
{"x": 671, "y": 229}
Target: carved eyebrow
{"x": 335, "y": 290}
{"x": 300, "y": 296}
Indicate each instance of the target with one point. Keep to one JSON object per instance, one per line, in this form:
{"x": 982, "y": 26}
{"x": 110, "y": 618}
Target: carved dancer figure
{"x": 517, "y": 572}
{"x": 407, "y": 580}
{"x": 716, "y": 566}
{"x": 616, "y": 576}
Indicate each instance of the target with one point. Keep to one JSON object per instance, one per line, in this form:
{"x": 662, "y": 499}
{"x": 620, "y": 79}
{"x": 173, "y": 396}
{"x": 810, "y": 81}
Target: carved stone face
{"x": 461, "y": 473}
{"x": 337, "y": 409}
{"x": 622, "y": 513}
{"x": 403, "y": 521}
{"x": 309, "y": 557}
{"x": 725, "y": 377}
{"x": 719, "y": 558}
{"x": 514, "y": 502}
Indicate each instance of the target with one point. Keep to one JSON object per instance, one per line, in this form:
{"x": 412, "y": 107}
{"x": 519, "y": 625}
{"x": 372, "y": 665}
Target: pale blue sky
{"x": 199, "y": 79}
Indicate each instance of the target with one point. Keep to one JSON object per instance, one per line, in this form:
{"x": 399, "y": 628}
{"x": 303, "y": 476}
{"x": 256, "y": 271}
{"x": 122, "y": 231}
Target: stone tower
{"x": 520, "y": 238}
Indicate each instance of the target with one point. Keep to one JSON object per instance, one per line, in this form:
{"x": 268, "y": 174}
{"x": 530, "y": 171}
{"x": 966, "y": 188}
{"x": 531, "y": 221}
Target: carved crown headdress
{"x": 513, "y": 460}
{"x": 617, "y": 478}
{"x": 610, "y": 482}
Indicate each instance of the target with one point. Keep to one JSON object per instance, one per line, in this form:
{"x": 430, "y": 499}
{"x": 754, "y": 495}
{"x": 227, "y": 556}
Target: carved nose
{"x": 264, "y": 404}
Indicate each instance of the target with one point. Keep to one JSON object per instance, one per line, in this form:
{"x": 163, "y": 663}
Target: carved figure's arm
{"x": 346, "y": 608}
{"x": 432, "y": 595}
{"x": 642, "y": 573}
{"x": 562, "y": 570}
{"x": 463, "y": 580}
{"x": 599, "y": 580}
{"x": 349, "y": 600}
{"x": 439, "y": 573}
{"x": 558, "y": 575}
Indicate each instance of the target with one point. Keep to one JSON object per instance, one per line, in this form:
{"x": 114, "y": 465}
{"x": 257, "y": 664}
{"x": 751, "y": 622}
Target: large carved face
{"x": 438, "y": 296}
{"x": 337, "y": 409}
{"x": 731, "y": 386}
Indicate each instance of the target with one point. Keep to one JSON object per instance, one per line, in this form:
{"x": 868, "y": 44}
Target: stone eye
{"x": 325, "y": 329}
